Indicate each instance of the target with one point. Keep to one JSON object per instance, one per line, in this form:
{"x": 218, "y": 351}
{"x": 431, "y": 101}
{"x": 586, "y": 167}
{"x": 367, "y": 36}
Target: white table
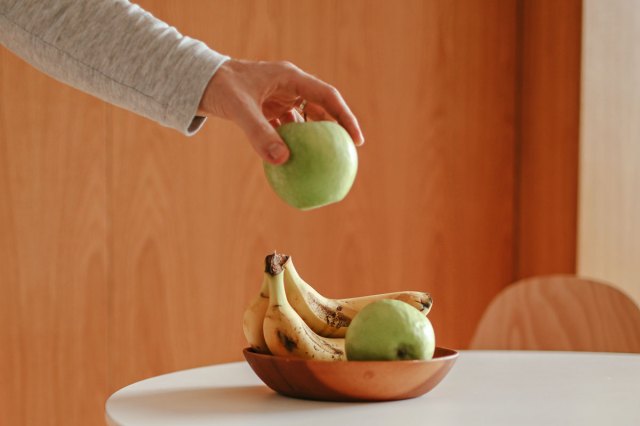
{"x": 483, "y": 388}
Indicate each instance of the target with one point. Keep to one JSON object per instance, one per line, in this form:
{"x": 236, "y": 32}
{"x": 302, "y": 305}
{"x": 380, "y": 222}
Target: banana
{"x": 331, "y": 317}
{"x": 419, "y": 300}
{"x": 285, "y": 332}
{"x": 254, "y": 317}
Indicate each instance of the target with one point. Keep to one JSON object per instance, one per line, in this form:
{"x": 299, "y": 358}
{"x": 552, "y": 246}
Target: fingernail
{"x": 277, "y": 151}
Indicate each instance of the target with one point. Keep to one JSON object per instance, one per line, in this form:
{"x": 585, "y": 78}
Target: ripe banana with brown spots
{"x": 326, "y": 317}
{"x": 285, "y": 332}
{"x": 331, "y": 317}
{"x": 253, "y": 318}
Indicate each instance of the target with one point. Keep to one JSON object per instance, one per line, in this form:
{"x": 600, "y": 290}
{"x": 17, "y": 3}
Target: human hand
{"x": 259, "y": 96}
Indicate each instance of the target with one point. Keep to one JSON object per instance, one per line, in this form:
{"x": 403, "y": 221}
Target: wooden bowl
{"x": 351, "y": 380}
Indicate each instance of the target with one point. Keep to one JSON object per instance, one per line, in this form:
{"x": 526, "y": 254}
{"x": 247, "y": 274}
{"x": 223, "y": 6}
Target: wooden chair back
{"x": 560, "y": 313}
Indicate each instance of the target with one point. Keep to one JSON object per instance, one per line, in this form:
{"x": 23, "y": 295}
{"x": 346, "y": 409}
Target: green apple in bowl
{"x": 389, "y": 330}
{"x": 321, "y": 168}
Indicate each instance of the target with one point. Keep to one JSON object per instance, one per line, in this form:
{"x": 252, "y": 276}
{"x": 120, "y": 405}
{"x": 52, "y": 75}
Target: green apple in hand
{"x": 389, "y": 330}
{"x": 321, "y": 168}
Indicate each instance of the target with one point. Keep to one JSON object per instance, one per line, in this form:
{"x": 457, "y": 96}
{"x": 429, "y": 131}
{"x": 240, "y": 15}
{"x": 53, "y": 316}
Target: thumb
{"x": 264, "y": 138}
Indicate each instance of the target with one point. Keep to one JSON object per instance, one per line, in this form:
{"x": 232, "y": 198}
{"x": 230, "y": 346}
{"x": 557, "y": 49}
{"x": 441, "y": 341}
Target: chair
{"x": 560, "y": 313}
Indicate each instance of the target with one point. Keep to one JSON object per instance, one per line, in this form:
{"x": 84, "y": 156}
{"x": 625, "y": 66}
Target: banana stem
{"x": 274, "y": 263}
{"x": 277, "y": 295}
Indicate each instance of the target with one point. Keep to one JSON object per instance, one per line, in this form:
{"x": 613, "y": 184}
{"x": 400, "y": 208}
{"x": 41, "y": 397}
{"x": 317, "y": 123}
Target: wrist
{"x": 208, "y": 102}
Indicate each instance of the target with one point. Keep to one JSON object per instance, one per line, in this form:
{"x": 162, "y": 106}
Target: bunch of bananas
{"x": 290, "y": 318}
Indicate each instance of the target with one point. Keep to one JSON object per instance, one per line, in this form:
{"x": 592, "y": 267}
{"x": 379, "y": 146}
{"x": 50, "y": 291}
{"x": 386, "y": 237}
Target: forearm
{"x": 115, "y": 51}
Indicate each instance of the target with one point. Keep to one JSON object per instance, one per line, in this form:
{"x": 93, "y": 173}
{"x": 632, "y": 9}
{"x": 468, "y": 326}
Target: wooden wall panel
{"x": 128, "y": 250}
{"x": 609, "y": 237}
{"x": 433, "y": 84}
{"x": 53, "y": 303}
{"x": 548, "y": 133}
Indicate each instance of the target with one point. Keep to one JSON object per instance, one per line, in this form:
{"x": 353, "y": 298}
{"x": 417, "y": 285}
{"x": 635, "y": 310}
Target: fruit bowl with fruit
{"x": 372, "y": 348}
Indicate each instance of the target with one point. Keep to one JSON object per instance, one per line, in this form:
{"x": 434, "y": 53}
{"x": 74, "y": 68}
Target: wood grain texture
{"x": 549, "y": 121}
{"x": 560, "y": 313}
{"x": 346, "y": 381}
{"x": 128, "y": 250}
{"x": 53, "y": 308}
{"x": 609, "y": 242}
{"x": 433, "y": 84}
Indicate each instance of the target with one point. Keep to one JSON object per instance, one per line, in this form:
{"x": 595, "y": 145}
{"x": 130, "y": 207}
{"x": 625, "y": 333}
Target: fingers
{"x": 262, "y": 96}
{"x": 328, "y": 99}
{"x": 317, "y": 113}
{"x": 263, "y": 136}
{"x": 291, "y": 116}
{"x": 275, "y": 123}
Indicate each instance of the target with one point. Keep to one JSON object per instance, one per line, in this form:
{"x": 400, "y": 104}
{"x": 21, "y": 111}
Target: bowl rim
{"x": 452, "y": 355}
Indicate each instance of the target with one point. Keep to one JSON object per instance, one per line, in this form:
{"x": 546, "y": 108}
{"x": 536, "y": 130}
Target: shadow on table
{"x": 216, "y": 401}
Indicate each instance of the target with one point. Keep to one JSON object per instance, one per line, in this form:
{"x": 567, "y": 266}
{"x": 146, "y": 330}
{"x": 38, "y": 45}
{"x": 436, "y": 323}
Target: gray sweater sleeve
{"x": 116, "y": 51}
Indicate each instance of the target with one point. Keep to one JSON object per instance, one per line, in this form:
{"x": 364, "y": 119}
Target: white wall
{"x": 609, "y": 209}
